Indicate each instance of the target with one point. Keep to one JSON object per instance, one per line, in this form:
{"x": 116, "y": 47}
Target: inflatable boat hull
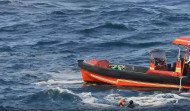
{"x": 94, "y": 73}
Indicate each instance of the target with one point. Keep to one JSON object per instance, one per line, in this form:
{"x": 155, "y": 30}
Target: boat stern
{"x": 86, "y": 75}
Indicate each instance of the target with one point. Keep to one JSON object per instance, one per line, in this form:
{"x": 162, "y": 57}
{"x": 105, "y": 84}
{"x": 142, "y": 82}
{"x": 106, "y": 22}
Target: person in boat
{"x": 187, "y": 67}
{"x": 122, "y": 103}
{"x": 131, "y": 104}
{"x": 188, "y": 61}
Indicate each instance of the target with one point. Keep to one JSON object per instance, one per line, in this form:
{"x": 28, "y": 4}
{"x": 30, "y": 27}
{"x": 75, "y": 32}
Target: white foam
{"x": 113, "y": 98}
{"x": 53, "y": 82}
{"x": 185, "y": 95}
{"x": 64, "y": 90}
{"x": 150, "y": 100}
{"x": 86, "y": 97}
{"x": 65, "y": 75}
{"x": 30, "y": 72}
{"x": 156, "y": 100}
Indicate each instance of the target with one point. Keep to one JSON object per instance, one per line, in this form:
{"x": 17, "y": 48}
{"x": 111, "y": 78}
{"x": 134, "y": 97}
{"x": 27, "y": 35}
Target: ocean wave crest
{"x": 56, "y": 94}
{"x": 5, "y": 49}
{"x": 53, "y": 82}
{"x": 137, "y": 45}
{"x": 41, "y": 43}
{"x": 117, "y": 26}
{"x": 150, "y": 100}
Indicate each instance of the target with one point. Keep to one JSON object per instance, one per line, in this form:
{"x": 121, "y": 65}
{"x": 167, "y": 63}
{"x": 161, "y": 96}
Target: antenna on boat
{"x": 179, "y": 53}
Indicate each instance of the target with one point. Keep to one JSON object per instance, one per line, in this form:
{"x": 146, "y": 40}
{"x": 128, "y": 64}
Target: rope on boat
{"x": 180, "y": 87}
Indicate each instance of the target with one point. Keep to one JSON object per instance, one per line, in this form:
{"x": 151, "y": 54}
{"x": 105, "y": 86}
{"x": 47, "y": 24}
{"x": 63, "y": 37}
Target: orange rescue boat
{"x": 158, "y": 75}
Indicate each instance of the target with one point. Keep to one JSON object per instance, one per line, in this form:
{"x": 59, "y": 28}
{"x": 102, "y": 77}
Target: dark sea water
{"x": 41, "y": 41}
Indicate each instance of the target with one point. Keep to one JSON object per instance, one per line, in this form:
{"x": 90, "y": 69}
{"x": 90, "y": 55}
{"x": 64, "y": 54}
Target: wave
{"x": 160, "y": 23}
{"x": 55, "y": 94}
{"x": 7, "y": 82}
{"x": 9, "y": 108}
{"x": 117, "y": 44}
{"x": 41, "y": 4}
{"x": 167, "y": 16}
{"x": 151, "y": 100}
{"x": 66, "y": 51}
{"x": 5, "y": 49}
{"x": 66, "y": 96}
{"x": 60, "y": 13}
{"x": 87, "y": 98}
{"x": 5, "y": 2}
{"x": 69, "y": 43}
{"x": 156, "y": 100}
{"x": 52, "y": 82}
{"x": 68, "y": 74}
{"x": 178, "y": 17}
{"x": 129, "y": 12}
{"x": 109, "y": 26}
{"x": 138, "y": 45}
{"x": 113, "y": 26}
{"x": 18, "y": 27}
{"x": 41, "y": 43}
{"x": 70, "y": 12}
{"x": 8, "y": 13}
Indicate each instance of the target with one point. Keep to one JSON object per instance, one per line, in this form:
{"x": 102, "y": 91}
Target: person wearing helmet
{"x": 131, "y": 105}
{"x": 122, "y": 103}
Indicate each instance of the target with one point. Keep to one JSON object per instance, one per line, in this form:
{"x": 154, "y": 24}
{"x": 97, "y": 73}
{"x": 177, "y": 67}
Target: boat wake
{"x": 154, "y": 100}
{"x": 54, "y": 82}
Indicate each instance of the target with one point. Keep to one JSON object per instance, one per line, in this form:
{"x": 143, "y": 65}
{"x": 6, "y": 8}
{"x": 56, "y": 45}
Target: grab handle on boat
{"x": 181, "y": 77}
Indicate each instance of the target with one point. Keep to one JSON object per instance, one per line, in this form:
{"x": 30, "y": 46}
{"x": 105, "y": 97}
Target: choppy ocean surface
{"x": 41, "y": 41}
